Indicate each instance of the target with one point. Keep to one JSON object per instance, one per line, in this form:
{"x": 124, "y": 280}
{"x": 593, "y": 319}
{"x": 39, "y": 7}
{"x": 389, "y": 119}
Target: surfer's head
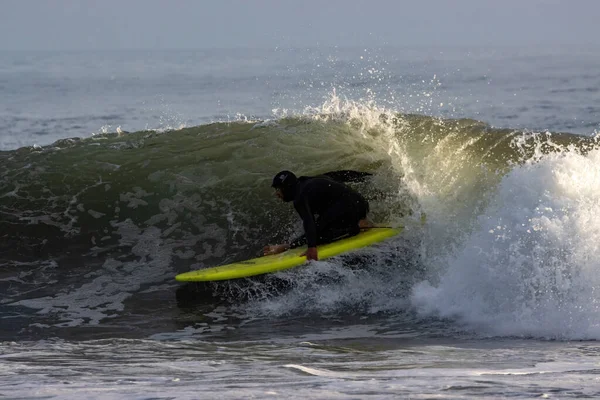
{"x": 285, "y": 184}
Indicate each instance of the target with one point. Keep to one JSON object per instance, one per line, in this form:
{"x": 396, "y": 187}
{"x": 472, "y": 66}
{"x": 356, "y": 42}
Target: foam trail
{"x": 530, "y": 266}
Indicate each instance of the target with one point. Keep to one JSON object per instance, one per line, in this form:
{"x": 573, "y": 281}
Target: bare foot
{"x": 365, "y": 224}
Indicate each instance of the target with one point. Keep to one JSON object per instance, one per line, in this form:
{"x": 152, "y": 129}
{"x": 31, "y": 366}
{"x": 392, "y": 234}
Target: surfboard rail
{"x": 288, "y": 259}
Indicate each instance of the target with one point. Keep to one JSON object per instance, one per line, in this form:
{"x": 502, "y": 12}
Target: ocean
{"x": 122, "y": 169}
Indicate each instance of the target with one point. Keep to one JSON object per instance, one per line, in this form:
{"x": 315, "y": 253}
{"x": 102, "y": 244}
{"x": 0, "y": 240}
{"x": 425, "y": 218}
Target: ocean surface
{"x": 119, "y": 170}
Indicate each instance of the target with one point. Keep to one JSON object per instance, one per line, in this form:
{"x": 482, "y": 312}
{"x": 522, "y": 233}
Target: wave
{"x": 95, "y": 221}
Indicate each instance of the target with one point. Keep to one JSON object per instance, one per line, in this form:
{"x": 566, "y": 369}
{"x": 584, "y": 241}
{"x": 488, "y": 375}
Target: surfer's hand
{"x": 274, "y": 249}
{"x": 312, "y": 254}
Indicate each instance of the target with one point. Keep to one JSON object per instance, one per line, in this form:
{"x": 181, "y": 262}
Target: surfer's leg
{"x": 362, "y": 211}
{"x": 339, "y": 221}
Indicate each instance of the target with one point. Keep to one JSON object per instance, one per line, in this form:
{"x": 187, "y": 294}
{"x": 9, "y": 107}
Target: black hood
{"x": 286, "y": 181}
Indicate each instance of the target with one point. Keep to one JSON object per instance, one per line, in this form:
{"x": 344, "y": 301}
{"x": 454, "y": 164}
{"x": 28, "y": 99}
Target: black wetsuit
{"x": 329, "y": 210}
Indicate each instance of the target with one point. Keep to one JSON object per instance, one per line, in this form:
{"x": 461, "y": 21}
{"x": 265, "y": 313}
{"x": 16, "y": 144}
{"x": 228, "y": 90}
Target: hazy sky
{"x": 175, "y": 24}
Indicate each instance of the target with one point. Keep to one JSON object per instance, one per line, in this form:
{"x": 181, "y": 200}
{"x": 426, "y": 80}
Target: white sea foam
{"x": 530, "y": 265}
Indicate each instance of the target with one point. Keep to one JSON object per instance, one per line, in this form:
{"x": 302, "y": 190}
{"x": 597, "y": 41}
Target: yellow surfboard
{"x": 288, "y": 259}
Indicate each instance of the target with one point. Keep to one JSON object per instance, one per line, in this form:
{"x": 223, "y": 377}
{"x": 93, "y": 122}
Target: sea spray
{"x": 529, "y": 267}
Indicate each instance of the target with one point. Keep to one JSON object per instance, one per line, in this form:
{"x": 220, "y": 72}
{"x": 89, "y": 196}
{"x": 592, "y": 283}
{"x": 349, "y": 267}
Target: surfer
{"x": 329, "y": 209}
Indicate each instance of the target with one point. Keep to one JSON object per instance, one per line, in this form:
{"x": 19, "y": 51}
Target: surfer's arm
{"x": 310, "y": 229}
{"x": 304, "y": 211}
{"x": 308, "y": 221}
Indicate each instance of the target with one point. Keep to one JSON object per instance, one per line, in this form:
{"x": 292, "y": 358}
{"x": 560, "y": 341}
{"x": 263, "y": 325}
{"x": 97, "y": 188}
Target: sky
{"x": 203, "y": 24}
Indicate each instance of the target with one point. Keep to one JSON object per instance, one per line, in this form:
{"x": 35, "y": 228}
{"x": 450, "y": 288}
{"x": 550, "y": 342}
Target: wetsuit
{"x": 329, "y": 210}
